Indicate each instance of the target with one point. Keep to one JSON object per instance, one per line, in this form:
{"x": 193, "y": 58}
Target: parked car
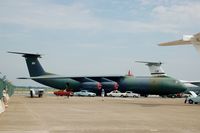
{"x": 131, "y": 94}
{"x": 116, "y": 93}
{"x": 36, "y": 92}
{"x": 84, "y": 93}
{"x": 63, "y": 93}
{"x": 193, "y": 98}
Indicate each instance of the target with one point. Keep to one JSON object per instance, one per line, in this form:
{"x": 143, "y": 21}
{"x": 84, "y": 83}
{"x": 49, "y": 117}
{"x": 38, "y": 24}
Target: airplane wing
{"x": 78, "y": 78}
{"x": 197, "y": 83}
{"x": 186, "y": 40}
{"x": 173, "y": 43}
{"x": 197, "y": 35}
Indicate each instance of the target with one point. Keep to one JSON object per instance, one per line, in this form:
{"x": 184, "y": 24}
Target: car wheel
{"x": 110, "y": 95}
{"x": 190, "y": 101}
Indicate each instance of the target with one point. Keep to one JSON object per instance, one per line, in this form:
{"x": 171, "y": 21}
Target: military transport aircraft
{"x": 156, "y": 69}
{"x": 187, "y": 40}
{"x": 156, "y": 85}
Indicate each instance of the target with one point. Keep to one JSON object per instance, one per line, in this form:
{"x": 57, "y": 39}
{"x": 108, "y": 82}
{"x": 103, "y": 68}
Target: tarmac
{"x": 51, "y": 114}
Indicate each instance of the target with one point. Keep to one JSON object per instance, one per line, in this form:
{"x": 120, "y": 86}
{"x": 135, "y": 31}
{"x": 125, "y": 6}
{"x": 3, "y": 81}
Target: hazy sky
{"x": 98, "y": 37}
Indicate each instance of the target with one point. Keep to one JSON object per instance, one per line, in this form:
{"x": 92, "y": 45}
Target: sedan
{"x": 84, "y": 93}
{"x": 116, "y": 93}
{"x": 131, "y": 94}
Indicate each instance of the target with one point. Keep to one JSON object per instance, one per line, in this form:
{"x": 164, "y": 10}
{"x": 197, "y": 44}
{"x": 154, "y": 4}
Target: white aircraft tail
{"x": 186, "y": 40}
{"x": 155, "y": 68}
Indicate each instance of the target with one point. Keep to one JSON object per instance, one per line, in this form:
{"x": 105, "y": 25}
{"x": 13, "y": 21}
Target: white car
{"x": 131, "y": 94}
{"x": 36, "y": 92}
{"x": 193, "y": 98}
{"x": 84, "y": 93}
{"x": 116, "y": 93}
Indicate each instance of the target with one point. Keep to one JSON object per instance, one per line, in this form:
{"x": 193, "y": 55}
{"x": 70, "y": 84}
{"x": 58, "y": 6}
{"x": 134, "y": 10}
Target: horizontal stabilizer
{"x": 154, "y": 67}
{"x": 26, "y": 54}
{"x": 44, "y": 77}
{"x": 148, "y": 63}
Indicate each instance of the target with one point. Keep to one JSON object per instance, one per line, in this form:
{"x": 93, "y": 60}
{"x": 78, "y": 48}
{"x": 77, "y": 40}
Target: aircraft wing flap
{"x": 173, "y": 43}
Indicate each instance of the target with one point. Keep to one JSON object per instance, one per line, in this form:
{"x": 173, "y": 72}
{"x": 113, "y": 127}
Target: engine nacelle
{"x": 187, "y": 37}
{"x": 110, "y": 85}
{"x": 91, "y": 85}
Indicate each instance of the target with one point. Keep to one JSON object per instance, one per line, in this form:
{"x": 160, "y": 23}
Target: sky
{"x": 98, "y": 37}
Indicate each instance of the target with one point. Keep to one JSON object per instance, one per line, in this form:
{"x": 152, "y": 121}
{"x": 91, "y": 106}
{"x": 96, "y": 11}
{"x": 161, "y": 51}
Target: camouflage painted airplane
{"x": 156, "y": 85}
{"x": 156, "y": 69}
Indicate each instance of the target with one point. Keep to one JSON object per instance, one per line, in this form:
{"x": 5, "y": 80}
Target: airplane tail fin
{"x": 186, "y": 40}
{"x": 34, "y": 66}
{"x": 155, "y": 68}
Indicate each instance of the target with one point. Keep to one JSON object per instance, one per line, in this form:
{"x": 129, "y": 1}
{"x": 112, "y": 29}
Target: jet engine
{"x": 91, "y": 86}
{"x": 110, "y": 85}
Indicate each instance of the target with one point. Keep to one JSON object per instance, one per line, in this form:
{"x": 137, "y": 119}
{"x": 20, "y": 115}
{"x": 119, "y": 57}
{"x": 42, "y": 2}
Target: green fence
{"x": 6, "y": 85}
{"x": 10, "y": 88}
{"x": 2, "y": 86}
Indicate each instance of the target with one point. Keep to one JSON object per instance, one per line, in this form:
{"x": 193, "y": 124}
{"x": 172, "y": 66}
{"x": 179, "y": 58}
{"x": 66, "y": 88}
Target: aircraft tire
{"x": 190, "y": 101}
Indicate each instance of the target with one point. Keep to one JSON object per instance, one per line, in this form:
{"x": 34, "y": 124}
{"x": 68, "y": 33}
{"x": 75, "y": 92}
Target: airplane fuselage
{"x": 141, "y": 85}
{"x": 151, "y": 85}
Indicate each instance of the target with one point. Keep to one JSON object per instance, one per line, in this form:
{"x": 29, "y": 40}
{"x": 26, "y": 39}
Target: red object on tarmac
{"x": 63, "y": 93}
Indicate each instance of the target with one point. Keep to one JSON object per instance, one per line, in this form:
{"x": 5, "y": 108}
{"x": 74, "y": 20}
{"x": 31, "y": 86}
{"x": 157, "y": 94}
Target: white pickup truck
{"x": 36, "y": 92}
